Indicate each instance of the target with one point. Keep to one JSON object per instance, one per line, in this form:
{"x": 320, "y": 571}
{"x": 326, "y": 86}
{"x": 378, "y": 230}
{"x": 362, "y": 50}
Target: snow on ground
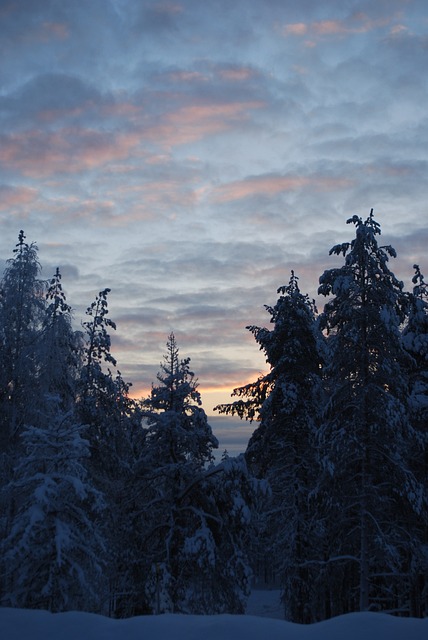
{"x": 23, "y": 624}
{"x": 265, "y": 603}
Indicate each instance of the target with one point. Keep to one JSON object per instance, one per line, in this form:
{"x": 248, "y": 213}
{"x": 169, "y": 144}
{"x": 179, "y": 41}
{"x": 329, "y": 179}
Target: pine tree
{"x": 282, "y": 449}
{"x": 366, "y": 436}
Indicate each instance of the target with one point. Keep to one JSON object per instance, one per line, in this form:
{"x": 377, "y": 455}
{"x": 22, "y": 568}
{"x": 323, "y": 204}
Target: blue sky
{"x": 189, "y": 154}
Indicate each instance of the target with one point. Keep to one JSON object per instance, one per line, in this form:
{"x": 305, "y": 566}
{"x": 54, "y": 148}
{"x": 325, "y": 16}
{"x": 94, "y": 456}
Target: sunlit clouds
{"x": 188, "y": 155}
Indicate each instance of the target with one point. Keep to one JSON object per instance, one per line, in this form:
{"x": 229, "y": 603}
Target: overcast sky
{"x": 188, "y": 154}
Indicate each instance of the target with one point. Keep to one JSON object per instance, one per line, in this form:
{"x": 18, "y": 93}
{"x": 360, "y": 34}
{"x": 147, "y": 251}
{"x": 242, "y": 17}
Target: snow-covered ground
{"x": 265, "y": 603}
{"x": 22, "y": 624}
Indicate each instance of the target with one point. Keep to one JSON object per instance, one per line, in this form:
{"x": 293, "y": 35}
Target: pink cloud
{"x": 295, "y": 29}
{"x": 69, "y": 150}
{"x": 329, "y": 27}
{"x": 273, "y": 184}
{"x": 238, "y": 74}
{"x": 191, "y": 123}
{"x": 358, "y": 23}
{"x": 11, "y": 197}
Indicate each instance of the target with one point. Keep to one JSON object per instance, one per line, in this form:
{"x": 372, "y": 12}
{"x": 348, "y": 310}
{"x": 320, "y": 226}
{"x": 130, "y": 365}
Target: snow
{"x": 24, "y": 624}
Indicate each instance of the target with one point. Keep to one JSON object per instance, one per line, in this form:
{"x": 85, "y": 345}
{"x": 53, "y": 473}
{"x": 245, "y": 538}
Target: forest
{"x": 114, "y": 505}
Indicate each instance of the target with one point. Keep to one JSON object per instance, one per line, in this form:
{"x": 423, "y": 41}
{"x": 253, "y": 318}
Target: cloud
{"x": 357, "y": 23}
{"x": 40, "y": 153}
{"x": 196, "y": 121}
{"x": 269, "y": 185}
{"x": 12, "y": 197}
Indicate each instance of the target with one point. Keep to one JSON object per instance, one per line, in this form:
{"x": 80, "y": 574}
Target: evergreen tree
{"x": 52, "y": 553}
{"x": 178, "y": 448}
{"x": 366, "y": 437}
{"x": 113, "y": 421}
{"x": 96, "y": 386}
{"x": 60, "y": 347}
{"x": 415, "y": 341}
{"x": 282, "y": 449}
{"x": 22, "y": 309}
{"x": 21, "y": 312}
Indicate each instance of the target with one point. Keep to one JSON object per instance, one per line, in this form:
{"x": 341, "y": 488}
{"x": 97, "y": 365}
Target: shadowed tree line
{"x": 107, "y": 503}
{"x": 116, "y": 505}
{"x": 342, "y": 438}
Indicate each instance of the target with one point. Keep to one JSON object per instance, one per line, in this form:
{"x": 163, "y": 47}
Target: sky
{"x": 20, "y": 624}
{"x": 187, "y": 155}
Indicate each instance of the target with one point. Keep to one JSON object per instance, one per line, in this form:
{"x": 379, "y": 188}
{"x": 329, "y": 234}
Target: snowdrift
{"x": 22, "y": 624}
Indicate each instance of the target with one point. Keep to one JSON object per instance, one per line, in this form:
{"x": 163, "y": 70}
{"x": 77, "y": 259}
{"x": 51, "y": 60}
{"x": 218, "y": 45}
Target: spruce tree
{"x": 282, "y": 449}
{"x": 415, "y": 341}
{"x": 366, "y": 438}
{"x": 178, "y": 448}
{"x": 53, "y": 552}
{"x": 60, "y": 347}
{"x": 113, "y": 420}
{"x": 22, "y": 308}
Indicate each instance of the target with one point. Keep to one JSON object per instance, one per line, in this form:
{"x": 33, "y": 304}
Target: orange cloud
{"x": 274, "y": 184}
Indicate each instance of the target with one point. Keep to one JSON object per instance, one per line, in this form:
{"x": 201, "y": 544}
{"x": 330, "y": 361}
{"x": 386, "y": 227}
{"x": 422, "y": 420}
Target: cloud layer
{"x": 188, "y": 155}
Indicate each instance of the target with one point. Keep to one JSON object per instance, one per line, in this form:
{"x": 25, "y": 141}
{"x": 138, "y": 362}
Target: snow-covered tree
{"x": 415, "y": 341}
{"x": 282, "y": 449}
{"x": 21, "y": 311}
{"x": 53, "y": 550}
{"x": 177, "y": 426}
{"x": 96, "y": 387}
{"x": 178, "y": 448}
{"x": 22, "y": 307}
{"x": 60, "y": 347}
{"x": 366, "y": 436}
{"x": 113, "y": 420}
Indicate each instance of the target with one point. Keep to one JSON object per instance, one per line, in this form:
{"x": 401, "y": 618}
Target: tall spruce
{"x": 178, "y": 448}
{"x": 282, "y": 449}
{"x": 366, "y": 438}
{"x": 415, "y": 341}
{"x": 113, "y": 420}
{"x": 22, "y": 307}
{"x": 60, "y": 347}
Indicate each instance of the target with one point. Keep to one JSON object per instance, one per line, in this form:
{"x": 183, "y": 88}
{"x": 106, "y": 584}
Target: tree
{"x": 21, "y": 311}
{"x": 415, "y": 341}
{"x": 177, "y": 426}
{"x": 60, "y": 347}
{"x": 282, "y": 449}
{"x": 366, "y": 436}
{"x": 22, "y": 308}
{"x": 53, "y": 551}
{"x": 113, "y": 421}
{"x": 178, "y": 448}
